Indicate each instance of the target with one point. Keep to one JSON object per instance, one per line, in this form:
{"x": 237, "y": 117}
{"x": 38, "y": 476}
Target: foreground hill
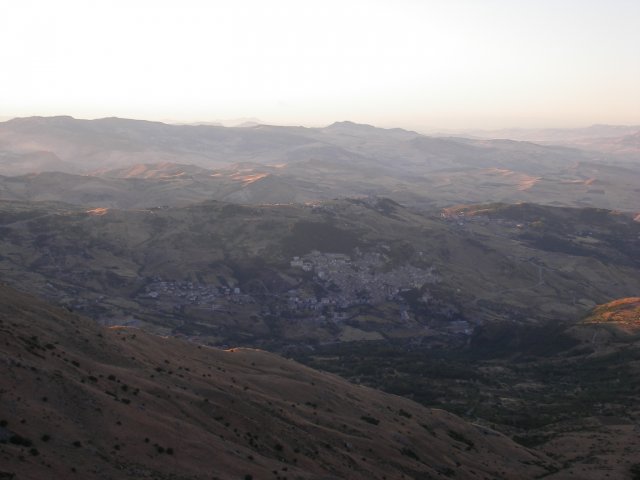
{"x": 80, "y": 401}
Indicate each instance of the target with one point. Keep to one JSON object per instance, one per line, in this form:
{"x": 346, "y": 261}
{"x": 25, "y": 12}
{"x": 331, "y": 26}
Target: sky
{"x": 421, "y": 64}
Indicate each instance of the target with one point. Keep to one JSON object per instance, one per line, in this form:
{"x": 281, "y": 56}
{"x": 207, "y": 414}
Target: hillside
{"x": 624, "y": 312}
{"x": 88, "y": 402}
{"x": 342, "y": 270}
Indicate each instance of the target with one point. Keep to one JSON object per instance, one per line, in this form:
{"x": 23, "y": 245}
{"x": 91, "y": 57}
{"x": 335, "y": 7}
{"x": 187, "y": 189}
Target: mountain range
{"x": 108, "y": 163}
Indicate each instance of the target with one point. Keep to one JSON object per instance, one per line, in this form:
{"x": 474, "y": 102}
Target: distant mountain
{"x": 556, "y": 135}
{"x": 627, "y": 145}
{"x": 116, "y": 143}
{"x": 331, "y": 173}
{"x": 347, "y": 127}
{"x": 174, "y": 164}
{"x": 109, "y": 143}
{"x": 247, "y": 124}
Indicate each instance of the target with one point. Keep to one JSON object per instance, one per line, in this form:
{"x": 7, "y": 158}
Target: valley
{"x": 493, "y": 284}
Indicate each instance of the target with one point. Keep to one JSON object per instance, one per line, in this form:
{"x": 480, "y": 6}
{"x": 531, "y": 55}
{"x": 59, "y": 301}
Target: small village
{"x": 361, "y": 280}
{"x": 193, "y": 293}
{"x": 329, "y": 284}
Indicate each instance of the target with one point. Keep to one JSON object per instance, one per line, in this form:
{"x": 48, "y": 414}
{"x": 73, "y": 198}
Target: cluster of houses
{"x": 191, "y": 293}
{"x": 461, "y": 218}
{"x": 363, "y": 279}
{"x": 337, "y": 282}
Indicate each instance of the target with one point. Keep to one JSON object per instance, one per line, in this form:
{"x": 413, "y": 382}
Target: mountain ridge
{"x": 309, "y": 164}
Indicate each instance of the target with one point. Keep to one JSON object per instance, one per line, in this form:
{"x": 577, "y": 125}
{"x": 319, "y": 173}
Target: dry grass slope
{"x": 624, "y": 312}
{"x": 80, "y": 401}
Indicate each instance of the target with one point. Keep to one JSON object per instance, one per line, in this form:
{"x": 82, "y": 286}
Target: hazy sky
{"x": 417, "y": 64}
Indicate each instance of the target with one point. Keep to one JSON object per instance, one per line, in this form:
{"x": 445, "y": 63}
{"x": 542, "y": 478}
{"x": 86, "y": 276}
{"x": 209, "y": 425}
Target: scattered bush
{"x": 409, "y": 453}
{"x": 20, "y": 440}
{"x": 371, "y": 420}
{"x": 460, "y": 438}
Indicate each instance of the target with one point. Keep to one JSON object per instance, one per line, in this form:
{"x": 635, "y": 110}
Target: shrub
{"x": 371, "y": 420}
{"x": 409, "y": 453}
{"x": 460, "y": 438}
{"x": 404, "y": 413}
{"x": 20, "y": 440}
